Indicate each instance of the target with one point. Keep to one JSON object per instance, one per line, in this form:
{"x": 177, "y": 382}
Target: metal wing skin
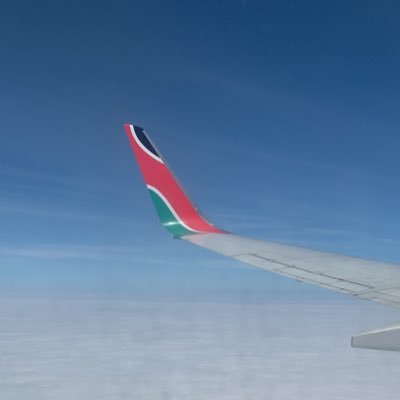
{"x": 366, "y": 279}
{"x": 371, "y": 280}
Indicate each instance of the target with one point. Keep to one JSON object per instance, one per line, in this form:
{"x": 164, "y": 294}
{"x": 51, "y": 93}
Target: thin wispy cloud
{"x": 247, "y": 221}
{"x": 67, "y": 252}
{"x": 23, "y": 177}
{"x": 38, "y": 211}
{"x": 331, "y": 231}
{"x": 117, "y": 254}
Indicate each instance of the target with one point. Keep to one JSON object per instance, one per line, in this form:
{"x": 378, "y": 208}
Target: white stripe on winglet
{"x": 158, "y": 193}
{"x": 143, "y": 147}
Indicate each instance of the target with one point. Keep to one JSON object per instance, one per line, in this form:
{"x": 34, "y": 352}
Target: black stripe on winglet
{"x": 144, "y": 140}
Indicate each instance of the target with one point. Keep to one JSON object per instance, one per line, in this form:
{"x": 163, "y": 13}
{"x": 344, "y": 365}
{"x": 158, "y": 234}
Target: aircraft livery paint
{"x": 173, "y": 207}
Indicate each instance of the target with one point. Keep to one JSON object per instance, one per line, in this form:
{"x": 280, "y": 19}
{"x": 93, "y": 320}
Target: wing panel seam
{"x": 306, "y": 270}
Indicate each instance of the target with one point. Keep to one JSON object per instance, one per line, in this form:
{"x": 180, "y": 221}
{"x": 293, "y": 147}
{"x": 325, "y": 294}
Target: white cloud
{"x": 65, "y": 252}
{"x": 120, "y": 349}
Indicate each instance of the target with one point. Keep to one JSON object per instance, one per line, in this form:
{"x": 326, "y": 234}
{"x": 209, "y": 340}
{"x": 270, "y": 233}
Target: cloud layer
{"x": 129, "y": 349}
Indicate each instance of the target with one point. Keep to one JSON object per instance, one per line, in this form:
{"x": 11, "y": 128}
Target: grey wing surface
{"x": 366, "y": 279}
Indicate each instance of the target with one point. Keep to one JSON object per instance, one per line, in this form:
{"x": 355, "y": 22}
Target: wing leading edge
{"x": 370, "y": 280}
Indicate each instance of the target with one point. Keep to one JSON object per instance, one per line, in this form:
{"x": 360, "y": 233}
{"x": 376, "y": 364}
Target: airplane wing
{"x": 371, "y": 280}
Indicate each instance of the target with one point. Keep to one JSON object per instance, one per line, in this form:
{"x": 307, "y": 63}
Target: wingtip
{"x": 129, "y": 124}
{"x": 129, "y": 127}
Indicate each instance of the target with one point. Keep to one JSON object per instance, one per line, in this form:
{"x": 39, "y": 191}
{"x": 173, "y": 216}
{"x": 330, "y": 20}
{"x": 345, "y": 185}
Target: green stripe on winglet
{"x": 167, "y": 218}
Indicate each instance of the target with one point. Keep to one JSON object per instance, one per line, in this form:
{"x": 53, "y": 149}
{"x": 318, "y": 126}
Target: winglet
{"x": 176, "y": 212}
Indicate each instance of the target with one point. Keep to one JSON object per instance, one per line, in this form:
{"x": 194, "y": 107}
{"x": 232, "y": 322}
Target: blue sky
{"x": 280, "y": 118}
